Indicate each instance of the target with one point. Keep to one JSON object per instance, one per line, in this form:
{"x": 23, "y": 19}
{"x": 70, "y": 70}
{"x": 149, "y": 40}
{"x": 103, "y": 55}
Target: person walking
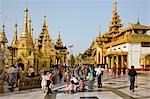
{"x": 90, "y": 78}
{"x": 49, "y": 82}
{"x": 132, "y": 73}
{"x": 99, "y": 72}
{"x": 12, "y": 79}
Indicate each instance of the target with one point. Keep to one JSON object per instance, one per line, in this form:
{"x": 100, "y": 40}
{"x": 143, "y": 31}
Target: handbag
{"x": 136, "y": 84}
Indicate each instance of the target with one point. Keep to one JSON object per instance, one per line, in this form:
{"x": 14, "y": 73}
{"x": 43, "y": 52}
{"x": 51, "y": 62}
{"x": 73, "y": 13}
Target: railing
{"x": 29, "y": 83}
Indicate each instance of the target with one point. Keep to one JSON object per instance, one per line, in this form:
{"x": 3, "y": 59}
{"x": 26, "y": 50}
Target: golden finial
{"x": 44, "y": 21}
{"x": 3, "y": 28}
{"x": 115, "y": 5}
{"x": 16, "y": 24}
{"x": 93, "y": 39}
{"x": 138, "y": 21}
{"x": 16, "y": 27}
{"x": 25, "y": 21}
{"x": 26, "y": 9}
{"x": 99, "y": 31}
{"x": 29, "y": 25}
{"x": 15, "y": 36}
{"x": 59, "y": 34}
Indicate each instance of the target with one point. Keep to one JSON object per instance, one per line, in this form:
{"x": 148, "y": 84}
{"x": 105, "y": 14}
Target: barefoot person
{"x": 132, "y": 73}
{"x": 44, "y": 82}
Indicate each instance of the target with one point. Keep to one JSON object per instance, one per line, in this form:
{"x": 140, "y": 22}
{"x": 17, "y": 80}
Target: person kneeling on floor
{"x": 81, "y": 85}
{"x": 71, "y": 87}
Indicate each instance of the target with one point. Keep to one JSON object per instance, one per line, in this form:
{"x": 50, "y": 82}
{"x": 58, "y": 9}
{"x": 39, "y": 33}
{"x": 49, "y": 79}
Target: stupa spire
{"x": 115, "y": 23}
{"x": 15, "y": 38}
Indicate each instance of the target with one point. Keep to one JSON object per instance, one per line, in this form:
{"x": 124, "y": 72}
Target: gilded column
{"x": 108, "y": 61}
{"x": 112, "y": 62}
{"x": 122, "y": 61}
{"x": 127, "y": 62}
{"x": 117, "y": 61}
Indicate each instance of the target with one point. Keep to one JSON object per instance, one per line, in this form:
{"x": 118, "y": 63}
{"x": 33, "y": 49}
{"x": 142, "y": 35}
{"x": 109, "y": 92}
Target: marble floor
{"x": 113, "y": 88}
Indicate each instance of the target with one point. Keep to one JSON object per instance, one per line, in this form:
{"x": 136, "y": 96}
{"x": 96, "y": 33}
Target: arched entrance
{"x": 21, "y": 65}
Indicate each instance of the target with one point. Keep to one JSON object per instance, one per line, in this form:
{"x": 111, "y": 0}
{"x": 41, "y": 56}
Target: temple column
{"x": 112, "y": 62}
{"x": 127, "y": 62}
{"x": 117, "y": 61}
{"x": 122, "y": 61}
{"x": 108, "y": 61}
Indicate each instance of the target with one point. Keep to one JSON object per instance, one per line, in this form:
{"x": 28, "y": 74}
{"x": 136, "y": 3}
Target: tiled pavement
{"x": 114, "y": 88}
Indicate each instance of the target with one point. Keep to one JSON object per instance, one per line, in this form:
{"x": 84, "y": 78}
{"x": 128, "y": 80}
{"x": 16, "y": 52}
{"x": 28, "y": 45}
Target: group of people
{"x": 12, "y": 76}
{"x": 49, "y": 78}
{"x": 116, "y": 71}
{"x": 75, "y": 85}
{"x": 87, "y": 77}
{"x": 75, "y": 78}
{"x": 47, "y": 81}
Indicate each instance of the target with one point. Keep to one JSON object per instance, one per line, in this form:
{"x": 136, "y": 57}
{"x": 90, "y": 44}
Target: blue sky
{"x": 78, "y": 20}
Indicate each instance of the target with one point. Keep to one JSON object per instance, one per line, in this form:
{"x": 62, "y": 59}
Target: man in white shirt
{"x": 12, "y": 79}
{"x": 99, "y": 72}
{"x": 75, "y": 80}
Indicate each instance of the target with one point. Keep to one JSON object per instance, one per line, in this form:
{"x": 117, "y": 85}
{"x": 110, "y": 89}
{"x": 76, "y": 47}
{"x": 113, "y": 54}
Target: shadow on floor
{"x": 50, "y": 96}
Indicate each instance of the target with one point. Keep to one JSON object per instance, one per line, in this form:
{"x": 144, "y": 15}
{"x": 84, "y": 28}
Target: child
{"x": 44, "y": 82}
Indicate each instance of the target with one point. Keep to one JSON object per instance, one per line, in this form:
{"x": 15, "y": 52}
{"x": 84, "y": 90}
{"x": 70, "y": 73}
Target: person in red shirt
{"x": 49, "y": 81}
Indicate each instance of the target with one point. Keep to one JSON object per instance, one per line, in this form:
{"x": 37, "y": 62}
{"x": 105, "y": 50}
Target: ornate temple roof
{"x": 59, "y": 41}
{"x": 43, "y": 32}
{"x": 115, "y": 23}
{"x": 139, "y": 26}
{"x": 15, "y": 38}
{"x": 3, "y": 38}
{"x": 117, "y": 35}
